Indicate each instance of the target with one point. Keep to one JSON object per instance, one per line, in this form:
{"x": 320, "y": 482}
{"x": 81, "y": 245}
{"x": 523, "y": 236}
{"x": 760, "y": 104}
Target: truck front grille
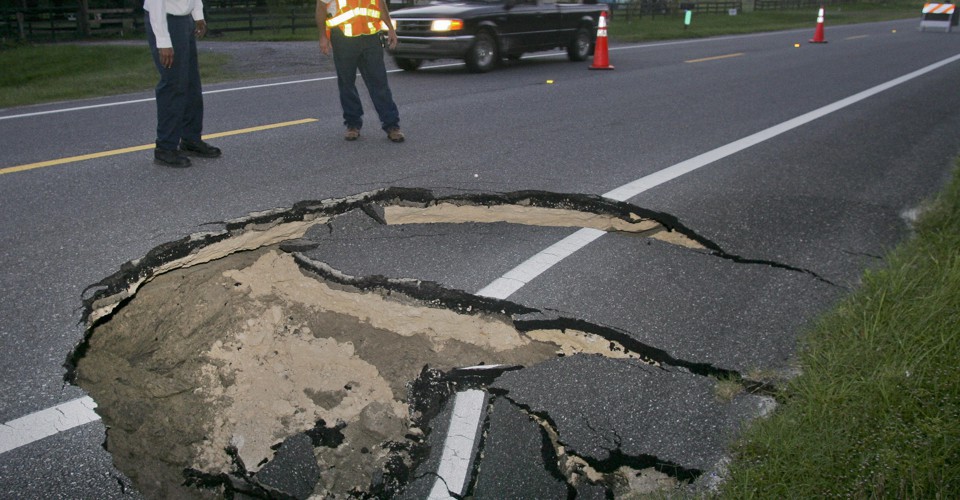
{"x": 413, "y": 27}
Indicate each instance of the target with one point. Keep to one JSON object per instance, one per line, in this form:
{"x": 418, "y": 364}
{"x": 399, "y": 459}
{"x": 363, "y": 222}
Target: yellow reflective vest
{"x": 357, "y": 17}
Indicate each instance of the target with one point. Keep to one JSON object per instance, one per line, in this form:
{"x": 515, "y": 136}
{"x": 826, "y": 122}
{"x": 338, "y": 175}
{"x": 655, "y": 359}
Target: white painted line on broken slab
{"x": 43, "y": 423}
{"x": 458, "y": 445}
{"x": 519, "y": 276}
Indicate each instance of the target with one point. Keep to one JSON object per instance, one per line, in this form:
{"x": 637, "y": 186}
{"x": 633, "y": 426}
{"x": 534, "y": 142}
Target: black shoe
{"x": 170, "y": 158}
{"x": 199, "y": 148}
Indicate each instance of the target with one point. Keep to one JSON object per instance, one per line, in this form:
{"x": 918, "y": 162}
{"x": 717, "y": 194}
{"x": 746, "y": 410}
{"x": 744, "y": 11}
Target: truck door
{"x": 522, "y": 26}
{"x": 549, "y": 36}
{"x": 568, "y": 22}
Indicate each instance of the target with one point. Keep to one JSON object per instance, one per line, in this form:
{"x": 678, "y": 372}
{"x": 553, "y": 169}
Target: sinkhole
{"x": 210, "y": 354}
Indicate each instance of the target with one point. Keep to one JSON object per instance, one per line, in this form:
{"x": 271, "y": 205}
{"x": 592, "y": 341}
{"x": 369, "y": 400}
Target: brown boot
{"x": 352, "y": 134}
{"x": 394, "y": 134}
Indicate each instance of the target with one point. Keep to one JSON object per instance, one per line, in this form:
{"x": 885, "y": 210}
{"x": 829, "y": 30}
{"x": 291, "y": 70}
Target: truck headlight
{"x": 446, "y": 25}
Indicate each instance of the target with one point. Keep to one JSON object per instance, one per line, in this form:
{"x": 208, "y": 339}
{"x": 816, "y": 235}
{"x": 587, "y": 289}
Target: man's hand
{"x": 392, "y": 39}
{"x": 201, "y": 29}
{"x": 324, "y": 45}
{"x": 166, "y": 57}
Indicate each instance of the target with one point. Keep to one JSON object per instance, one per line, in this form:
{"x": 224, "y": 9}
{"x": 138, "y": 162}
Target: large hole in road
{"x": 209, "y": 354}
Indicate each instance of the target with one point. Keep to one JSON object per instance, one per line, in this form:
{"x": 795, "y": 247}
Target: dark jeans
{"x": 363, "y": 53}
{"x": 179, "y": 97}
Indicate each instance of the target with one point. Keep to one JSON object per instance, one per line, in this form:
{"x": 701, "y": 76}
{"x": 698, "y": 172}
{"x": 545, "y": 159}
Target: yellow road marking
{"x": 113, "y": 152}
{"x": 714, "y": 58}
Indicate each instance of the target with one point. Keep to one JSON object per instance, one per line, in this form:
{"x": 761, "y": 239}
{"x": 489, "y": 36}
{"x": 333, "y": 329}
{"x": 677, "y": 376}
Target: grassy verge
{"x": 665, "y": 27}
{"x": 46, "y": 73}
{"x": 876, "y": 412}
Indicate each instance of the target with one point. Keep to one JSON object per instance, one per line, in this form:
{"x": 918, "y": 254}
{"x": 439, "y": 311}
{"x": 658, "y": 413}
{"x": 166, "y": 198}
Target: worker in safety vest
{"x": 353, "y": 30}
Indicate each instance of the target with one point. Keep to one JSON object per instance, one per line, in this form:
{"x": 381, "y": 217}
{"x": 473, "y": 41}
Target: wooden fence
{"x": 52, "y": 24}
{"x": 57, "y": 24}
{"x": 224, "y": 16}
{"x": 250, "y": 20}
{"x": 652, "y": 8}
{"x": 787, "y": 4}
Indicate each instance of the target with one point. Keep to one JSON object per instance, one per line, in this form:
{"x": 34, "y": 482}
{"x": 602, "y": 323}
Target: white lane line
{"x": 150, "y": 99}
{"x": 32, "y": 427}
{"x": 516, "y": 278}
{"x": 458, "y": 445}
{"x": 638, "y": 186}
{"x": 43, "y": 423}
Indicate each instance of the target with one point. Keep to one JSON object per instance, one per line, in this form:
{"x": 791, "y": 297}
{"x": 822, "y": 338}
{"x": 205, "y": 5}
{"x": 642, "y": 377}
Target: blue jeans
{"x": 363, "y": 53}
{"x": 179, "y": 96}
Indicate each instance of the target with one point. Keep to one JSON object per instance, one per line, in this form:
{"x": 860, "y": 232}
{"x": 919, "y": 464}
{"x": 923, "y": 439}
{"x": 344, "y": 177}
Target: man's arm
{"x": 321, "y": 17}
{"x": 199, "y": 22}
{"x": 158, "y": 23}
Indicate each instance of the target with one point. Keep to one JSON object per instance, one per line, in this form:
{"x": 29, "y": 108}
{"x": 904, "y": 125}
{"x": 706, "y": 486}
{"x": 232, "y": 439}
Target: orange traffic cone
{"x": 600, "y": 59}
{"x": 818, "y": 35}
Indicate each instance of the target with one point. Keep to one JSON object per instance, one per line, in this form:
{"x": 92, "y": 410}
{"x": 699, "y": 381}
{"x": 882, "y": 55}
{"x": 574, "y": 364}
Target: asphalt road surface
{"x": 795, "y": 166}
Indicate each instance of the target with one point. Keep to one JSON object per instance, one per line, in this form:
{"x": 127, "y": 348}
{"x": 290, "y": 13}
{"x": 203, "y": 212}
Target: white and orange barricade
{"x": 937, "y": 15}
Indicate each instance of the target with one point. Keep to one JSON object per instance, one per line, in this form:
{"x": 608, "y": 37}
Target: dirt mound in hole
{"x": 248, "y": 350}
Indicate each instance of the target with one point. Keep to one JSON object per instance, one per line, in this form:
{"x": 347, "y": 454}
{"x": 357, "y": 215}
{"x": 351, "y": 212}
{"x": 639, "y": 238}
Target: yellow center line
{"x": 114, "y": 152}
{"x": 714, "y": 58}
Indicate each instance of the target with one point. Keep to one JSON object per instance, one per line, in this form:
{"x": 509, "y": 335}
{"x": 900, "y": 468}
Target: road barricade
{"x": 938, "y": 15}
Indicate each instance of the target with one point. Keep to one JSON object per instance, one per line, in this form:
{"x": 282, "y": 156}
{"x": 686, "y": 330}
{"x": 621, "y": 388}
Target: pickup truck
{"x": 482, "y": 32}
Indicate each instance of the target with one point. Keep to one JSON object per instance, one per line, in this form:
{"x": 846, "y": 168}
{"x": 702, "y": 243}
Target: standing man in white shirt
{"x": 173, "y": 27}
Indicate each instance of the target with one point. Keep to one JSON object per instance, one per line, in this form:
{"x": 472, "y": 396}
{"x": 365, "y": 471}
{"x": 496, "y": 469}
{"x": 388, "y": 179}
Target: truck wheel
{"x": 408, "y": 64}
{"x": 483, "y": 55}
{"x": 579, "y": 47}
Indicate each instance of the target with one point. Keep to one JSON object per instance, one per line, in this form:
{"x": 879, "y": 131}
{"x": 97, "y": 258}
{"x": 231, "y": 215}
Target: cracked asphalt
{"x": 790, "y": 223}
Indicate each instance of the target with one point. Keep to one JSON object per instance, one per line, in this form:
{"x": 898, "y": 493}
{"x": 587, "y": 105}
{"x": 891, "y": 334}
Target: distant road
{"x": 799, "y": 163}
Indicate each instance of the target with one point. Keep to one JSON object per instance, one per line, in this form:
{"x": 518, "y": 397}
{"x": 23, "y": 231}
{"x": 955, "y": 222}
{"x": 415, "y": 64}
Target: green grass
{"x": 876, "y": 411}
{"x": 666, "y": 27}
{"x": 45, "y": 73}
